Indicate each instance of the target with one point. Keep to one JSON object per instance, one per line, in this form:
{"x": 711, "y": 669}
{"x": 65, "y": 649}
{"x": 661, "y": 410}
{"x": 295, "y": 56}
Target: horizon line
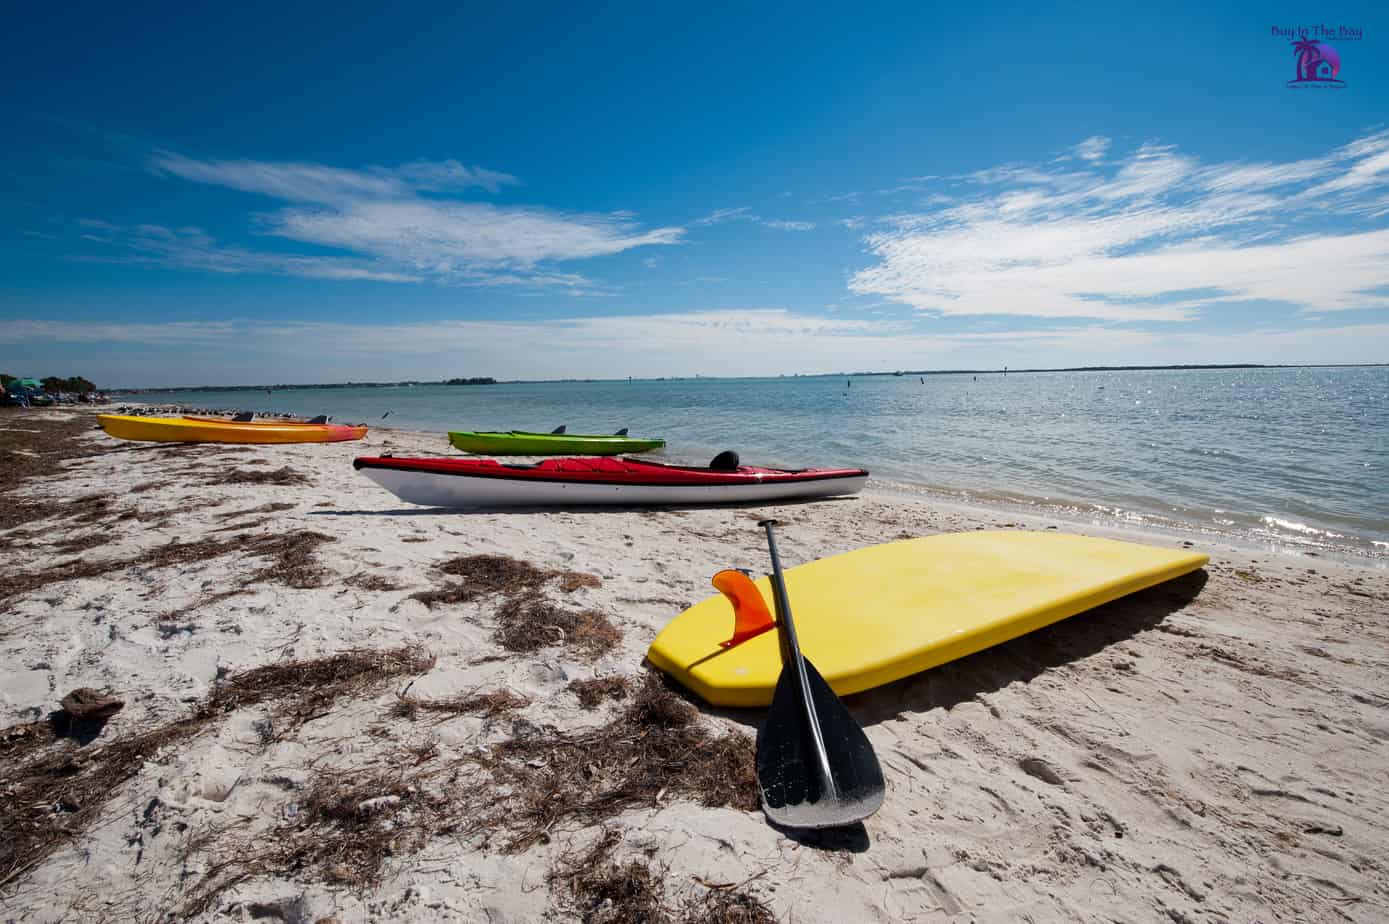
{"x": 805, "y": 375}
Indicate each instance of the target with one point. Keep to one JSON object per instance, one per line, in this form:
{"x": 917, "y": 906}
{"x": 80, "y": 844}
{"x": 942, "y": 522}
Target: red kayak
{"x": 489, "y": 483}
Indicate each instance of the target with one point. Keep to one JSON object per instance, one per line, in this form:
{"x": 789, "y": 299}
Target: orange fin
{"x": 750, "y": 614}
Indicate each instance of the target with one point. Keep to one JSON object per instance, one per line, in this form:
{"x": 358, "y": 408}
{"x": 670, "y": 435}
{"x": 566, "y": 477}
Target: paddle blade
{"x": 794, "y": 794}
{"x": 244, "y": 417}
{"x": 558, "y": 430}
{"x": 622, "y": 432}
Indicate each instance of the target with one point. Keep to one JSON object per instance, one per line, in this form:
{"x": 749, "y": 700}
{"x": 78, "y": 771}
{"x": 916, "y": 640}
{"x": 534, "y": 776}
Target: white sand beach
{"x": 1214, "y": 749}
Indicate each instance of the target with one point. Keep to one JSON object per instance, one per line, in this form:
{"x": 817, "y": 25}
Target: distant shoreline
{"x": 801, "y": 375}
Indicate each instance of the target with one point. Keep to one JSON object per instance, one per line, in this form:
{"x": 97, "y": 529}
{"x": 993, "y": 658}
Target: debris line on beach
{"x": 498, "y": 574}
{"x": 653, "y": 750}
{"x": 594, "y": 692}
{"x": 527, "y": 620}
{"x": 530, "y": 621}
{"x": 496, "y": 703}
{"x": 55, "y": 790}
{"x": 609, "y": 892}
{"x": 291, "y": 561}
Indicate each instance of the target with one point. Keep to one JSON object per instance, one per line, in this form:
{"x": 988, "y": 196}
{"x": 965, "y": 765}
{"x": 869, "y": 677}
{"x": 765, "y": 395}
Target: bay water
{"x": 1293, "y": 456}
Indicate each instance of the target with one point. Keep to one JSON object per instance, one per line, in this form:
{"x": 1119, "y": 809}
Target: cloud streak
{"x": 720, "y": 216}
{"x": 302, "y": 182}
{"x": 401, "y": 224}
{"x": 193, "y": 249}
{"x": 1155, "y": 236}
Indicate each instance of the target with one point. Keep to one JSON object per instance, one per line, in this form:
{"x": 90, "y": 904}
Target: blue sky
{"x": 370, "y": 193}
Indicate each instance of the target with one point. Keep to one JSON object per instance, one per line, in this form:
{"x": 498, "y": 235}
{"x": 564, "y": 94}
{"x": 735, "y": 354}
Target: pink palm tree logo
{"x": 1317, "y": 64}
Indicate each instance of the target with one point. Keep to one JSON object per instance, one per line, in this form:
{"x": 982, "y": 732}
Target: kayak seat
{"x": 726, "y": 461}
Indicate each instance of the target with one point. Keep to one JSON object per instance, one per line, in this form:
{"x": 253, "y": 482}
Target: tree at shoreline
{"x": 76, "y": 384}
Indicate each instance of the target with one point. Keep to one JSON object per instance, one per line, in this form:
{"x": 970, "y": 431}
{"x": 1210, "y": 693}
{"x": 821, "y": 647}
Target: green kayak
{"x": 521, "y": 443}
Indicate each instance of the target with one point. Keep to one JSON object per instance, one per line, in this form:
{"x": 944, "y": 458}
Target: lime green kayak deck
{"x": 520, "y": 443}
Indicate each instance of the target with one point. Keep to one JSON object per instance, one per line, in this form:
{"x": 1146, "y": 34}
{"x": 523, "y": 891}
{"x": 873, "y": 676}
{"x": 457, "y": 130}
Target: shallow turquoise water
{"x": 1297, "y": 455}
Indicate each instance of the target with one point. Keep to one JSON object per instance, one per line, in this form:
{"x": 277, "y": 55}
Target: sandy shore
{"x": 1214, "y": 749}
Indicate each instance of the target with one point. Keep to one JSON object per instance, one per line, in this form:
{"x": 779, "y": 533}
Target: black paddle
{"x": 622, "y": 432}
{"x": 815, "y": 766}
{"x": 558, "y": 430}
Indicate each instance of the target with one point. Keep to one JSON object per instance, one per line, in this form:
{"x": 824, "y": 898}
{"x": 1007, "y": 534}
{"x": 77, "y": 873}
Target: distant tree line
{"x": 477, "y": 380}
{"x": 54, "y": 384}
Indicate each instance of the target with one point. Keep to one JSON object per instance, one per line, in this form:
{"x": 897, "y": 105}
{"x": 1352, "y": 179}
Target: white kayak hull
{"x": 433, "y": 489}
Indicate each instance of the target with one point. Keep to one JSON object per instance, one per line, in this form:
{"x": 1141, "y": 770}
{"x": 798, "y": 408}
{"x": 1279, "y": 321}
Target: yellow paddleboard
{"x": 878, "y": 614}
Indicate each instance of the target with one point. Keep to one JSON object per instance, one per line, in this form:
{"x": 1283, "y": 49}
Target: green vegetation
{"x": 77, "y": 384}
{"x": 479, "y": 380}
{"x": 53, "y": 384}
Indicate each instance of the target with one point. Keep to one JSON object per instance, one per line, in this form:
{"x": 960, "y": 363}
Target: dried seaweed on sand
{"x": 498, "y": 574}
{"x": 55, "y": 790}
{"x": 654, "y": 749}
{"x": 365, "y": 580}
{"x": 594, "y": 692}
{"x": 291, "y": 561}
{"x": 350, "y": 824}
{"x": 496, "y": 703}
{"x": 609, "y": 892}
{"x": 530, "y": 622}
{"x": 280, "y": 476}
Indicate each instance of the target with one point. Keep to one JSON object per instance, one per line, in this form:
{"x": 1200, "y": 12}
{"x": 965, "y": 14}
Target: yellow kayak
{"x": 183, "y": 430}
{"x": 878, "y": 614}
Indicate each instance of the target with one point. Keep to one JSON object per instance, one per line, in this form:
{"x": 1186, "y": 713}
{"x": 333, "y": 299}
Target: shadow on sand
{"x": 82, "y": 731}
{"x": 988, "y": 671}
{"x": 582, "y": 508}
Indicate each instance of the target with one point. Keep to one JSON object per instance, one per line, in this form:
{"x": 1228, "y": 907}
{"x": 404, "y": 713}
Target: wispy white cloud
{"x": 1092, "y": 148}
{"x": 307, "y": 182}
{"x": 1369, "y": 167}
{"x": 719, "y": 216}
{"x": 399, "y": 224}
{"x": 1158, "y": 236}
{"x": 193, "y": 249}
{"x": 443, "y": 238}
{"x": 449, "y": 175}
{"x": 175, "y": 333}
{"x": 744, "y": 213}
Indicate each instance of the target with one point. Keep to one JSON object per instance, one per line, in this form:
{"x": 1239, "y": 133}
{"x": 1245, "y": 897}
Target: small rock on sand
{"x": 86, "y": 703}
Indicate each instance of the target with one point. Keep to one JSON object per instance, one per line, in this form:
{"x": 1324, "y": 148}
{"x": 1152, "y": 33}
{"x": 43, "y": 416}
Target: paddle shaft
{"x": 791, "y": 660}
